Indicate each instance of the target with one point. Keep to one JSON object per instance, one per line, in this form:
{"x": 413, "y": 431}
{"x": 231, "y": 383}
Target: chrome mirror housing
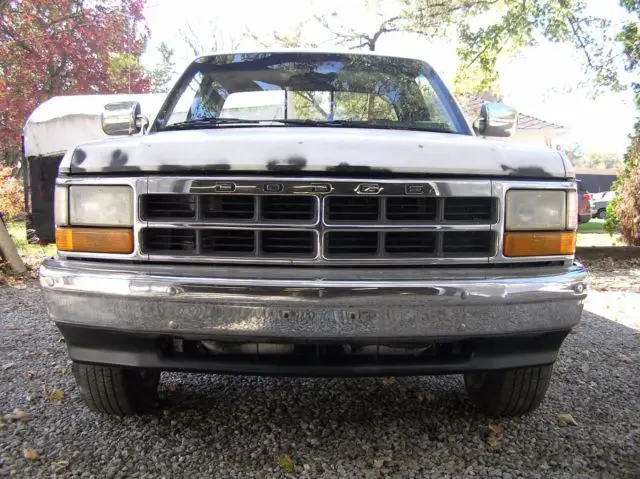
{"x": 122, "y": 118}
{"x": 496, "y": 119}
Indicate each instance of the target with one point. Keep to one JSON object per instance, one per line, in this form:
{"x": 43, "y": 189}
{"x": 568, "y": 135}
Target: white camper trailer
{"x": 55, "y": 126}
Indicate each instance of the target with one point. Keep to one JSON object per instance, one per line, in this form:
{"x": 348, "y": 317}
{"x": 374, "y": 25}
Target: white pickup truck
{"x": 315, "y": 214}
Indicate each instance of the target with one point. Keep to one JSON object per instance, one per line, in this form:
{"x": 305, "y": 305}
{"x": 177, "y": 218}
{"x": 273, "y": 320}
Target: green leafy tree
{"x": 623, "y": 213}
{"x": 164, "y": 72}
{"x": 519, "y": 24}
{"x": 486, "y": 30}
{"x": 574, "y": 152}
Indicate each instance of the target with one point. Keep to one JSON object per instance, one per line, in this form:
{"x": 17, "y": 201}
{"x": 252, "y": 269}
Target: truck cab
{"x": 313, "y": 214}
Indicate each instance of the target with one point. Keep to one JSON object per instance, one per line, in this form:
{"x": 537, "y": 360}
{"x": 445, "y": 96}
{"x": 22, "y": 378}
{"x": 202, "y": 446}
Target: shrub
{"x": 11, "y": 193}
{"x": 623, "y": 213}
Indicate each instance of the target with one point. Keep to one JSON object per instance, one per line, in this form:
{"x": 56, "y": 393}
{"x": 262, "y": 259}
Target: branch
{"x": 574, "y": 24}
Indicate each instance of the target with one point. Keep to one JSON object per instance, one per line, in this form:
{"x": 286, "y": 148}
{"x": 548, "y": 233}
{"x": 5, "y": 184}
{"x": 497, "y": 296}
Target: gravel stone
{"x": 237, "y": 426}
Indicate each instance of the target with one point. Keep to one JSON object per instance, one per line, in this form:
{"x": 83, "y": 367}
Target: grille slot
{"x": 288, "y": 208}
{"x": 288, "y": 242}
{"x": 168, "y": 206}
{"x": 468, "y": 209}
{"x": 467, "y": 243}
{"x": 169, "y": 240}
{"x": 228, "y": 207}
{"x": 410, "y": 243}
{"x": 353, "y": 209}
{"x": 411, "y": 209}
{"x": 352, "y": 243}
{"x": 240, "y": 242}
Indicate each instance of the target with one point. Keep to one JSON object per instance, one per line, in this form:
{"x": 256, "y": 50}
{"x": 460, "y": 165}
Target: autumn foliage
{"x": 11, "y": 193}
{"x": 625, "y": 209}
{"x": 50, "y": 48}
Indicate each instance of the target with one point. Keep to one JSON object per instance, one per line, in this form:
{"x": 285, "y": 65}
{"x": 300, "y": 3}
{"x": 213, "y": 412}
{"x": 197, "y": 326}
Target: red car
{"x": 584, "y": 204}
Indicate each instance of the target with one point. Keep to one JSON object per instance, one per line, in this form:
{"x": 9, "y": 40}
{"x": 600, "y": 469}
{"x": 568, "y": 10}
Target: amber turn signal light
{"x": 95, "y": 240}
{"x": 542, "y": 243}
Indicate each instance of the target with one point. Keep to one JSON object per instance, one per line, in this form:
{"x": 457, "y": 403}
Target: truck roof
{"x": 311, "y": 51}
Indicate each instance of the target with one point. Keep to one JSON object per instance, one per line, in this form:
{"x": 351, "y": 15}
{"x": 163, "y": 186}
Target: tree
{"x": 623, "y": 213}
{"x": 574, "y": 152}
{"x": 215, "y": 41}
{"x": 163, "y": 73}
{"x": 507, "y": 26}
{"x": 65, "y": 47}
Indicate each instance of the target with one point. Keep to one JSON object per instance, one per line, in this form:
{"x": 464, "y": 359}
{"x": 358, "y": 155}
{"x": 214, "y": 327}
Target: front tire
{"x": 116, "y": 390}
{"x": 602, "y": 214}
{"x": 508, "y": 392}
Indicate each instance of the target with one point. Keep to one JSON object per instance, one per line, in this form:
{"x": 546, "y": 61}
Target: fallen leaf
{"x": 56, "y": 395}
{"x": 286, "y": 463}
{"x": 494, "y": 428}
{"x": 16, "y": 415}
{"x": 12, "y": 327}
{"x": 624, "y": 358}
{"x": 378, "y": 463}
{"x": 8, "y": 366}
{"x": 30, "y": 454}
{"x": 493, "y": 443}
{"x": 60, "y": 464}
{"x": 566, "y": 420}
{"x": 389, "y": 381}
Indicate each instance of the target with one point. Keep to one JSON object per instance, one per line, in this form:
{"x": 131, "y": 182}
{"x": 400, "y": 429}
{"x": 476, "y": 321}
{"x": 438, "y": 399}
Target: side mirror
{"x": 122, "y": 118}
{"x": 496, "y": 119}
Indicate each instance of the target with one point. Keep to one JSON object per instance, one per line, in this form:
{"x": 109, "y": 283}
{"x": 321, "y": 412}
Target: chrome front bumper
{"x": 298, "y": 303}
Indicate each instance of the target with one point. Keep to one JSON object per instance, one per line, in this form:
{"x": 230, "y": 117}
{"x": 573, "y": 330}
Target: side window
{"x": 432, "y": 102}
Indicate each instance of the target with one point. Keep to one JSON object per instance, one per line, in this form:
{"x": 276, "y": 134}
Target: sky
{"x": 540, "y": 81}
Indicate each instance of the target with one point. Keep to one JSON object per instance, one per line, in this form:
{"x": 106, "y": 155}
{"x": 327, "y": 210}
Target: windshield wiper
{"x": 207, "y": 122}
{"x": 376, "y": 124}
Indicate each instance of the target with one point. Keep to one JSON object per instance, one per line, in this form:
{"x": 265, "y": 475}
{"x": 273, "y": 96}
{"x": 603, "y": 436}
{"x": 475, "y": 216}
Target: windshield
{"x": 294, "y": 89}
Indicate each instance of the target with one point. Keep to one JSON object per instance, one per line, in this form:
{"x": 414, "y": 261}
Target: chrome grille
{"x": 292, "y": 221}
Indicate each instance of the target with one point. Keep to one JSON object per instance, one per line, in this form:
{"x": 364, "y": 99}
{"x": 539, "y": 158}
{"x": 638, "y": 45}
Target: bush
{"x": 11, "y": 193}
{"x": 623, "y": 213}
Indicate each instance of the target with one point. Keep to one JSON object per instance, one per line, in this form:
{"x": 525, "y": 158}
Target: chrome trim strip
{"x": 340, "y": 186}
{"x": 481, "y": 284}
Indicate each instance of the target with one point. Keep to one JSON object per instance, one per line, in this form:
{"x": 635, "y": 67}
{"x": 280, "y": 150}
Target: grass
{"x": 32, "y": 254}
{"x": 593, "y": 226}
{"x": 593, "y": 234}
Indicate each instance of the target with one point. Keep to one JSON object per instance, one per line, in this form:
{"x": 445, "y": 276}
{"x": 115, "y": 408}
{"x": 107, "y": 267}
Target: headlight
{"x": 536, "y": 210}
{"x": 100, "y": 205}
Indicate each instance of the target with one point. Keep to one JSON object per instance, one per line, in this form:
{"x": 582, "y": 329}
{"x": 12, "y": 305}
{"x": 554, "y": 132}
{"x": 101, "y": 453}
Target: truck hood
{"x": 313, "y": 150}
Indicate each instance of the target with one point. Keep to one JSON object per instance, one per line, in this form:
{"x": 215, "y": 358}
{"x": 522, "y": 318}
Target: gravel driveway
{"x": 220, "y": 426}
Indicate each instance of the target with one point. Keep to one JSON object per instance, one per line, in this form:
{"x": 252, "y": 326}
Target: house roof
{"x": 471, "y": 105}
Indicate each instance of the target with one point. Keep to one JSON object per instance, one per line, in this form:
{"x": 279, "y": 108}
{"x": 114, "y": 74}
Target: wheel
{"x": 508, "y": 392}
{"x": 116, "y": 390}
{"x": 602, "y": 213}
